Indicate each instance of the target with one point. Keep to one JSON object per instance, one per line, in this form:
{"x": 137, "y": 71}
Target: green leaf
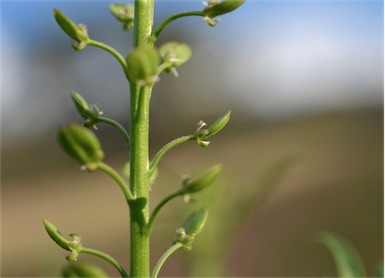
{"x": 83, "y": 270}
{"x": 348, "y": 260}
{"x": 81, "y": 144}
{"x": 379, "y": 271}
{"x": 56, "y": 235}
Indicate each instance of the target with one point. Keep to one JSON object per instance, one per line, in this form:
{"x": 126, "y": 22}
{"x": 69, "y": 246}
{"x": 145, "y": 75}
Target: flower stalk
{"x": 142, "y": 66}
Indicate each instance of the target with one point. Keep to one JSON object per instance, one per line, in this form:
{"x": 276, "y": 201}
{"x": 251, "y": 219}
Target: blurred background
{"x": 303, "y": 152}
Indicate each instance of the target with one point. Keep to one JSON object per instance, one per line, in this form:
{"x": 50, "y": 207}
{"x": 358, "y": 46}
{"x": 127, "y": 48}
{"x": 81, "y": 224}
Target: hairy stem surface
{"x": 139, "y": 159}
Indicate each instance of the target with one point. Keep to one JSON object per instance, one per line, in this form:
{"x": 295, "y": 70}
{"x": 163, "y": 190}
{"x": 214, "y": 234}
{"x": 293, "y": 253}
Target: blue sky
{"x": 279, "y": 57}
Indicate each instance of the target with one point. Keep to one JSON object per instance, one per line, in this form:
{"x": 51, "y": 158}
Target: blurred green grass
{"x": 336, "y": 185}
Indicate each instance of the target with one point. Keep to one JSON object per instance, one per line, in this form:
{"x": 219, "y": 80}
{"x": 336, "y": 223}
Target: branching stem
{"x": 155, "y": 161}
{"x": 164, "y": 23}
{"x": 113, "y": 52}
{"x": 155, "y": 212}
{"x": 164, "y": 257}
{"x": 107, "y": 258}
{"x": 118, "y": 126}
{"x": 119, "y": 180}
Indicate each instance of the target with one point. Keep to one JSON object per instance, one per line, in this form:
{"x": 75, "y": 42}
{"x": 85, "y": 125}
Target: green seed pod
{"x": 215, "y": 8}
{"x": 203, "y": 181}
{"x": 142, "y": 65}
{"x": 82, "y": 105}
{"x": 195, "y": 222}
{"x": 124, "y": 13}
{"x": 80, "y": 143}
{"x": 76, "y": 32}
{"x": 175, "y": 53}
{"x": 83, "y": 270}
{"x": 55, "y": 235}
{"x": 218, "y": 124}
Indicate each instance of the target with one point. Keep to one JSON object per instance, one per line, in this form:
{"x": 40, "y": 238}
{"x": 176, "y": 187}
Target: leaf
{"x": 348, "y": 260}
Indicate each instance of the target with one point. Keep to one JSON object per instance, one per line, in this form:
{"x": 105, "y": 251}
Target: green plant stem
{"x": 139, "y": 141}
{"x": 113, "y": 52}
{"x": 107, "y": 258}
{"x": 143, "y": 21}
{"x": 155, "y": 161}
{"x": 119, "y": 180}
{"x": 164, "y": 257}
{"x": 156, "y": 210}
{"x": 164, "y": 23}
{"x": 116, "y": 125}
{"x": 139, "y": 181}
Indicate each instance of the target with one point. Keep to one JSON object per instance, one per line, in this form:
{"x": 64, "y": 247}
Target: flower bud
{"x": 191, "y": 228}
{"x": 80, "y": 143}
{"x": 82, "y": 106}
{"x": 142, "y": 65}
{"x": 76, "y": 32}
{"x": 175, "y": 54}
{"x": 203, "y": 181}
{"x": 218, "y": 125}
{"x": 215, "y": 8}
{"x": 195, "y": 222}
{"x": 83, "y": 270}
{"x": 124, "y": 13}
{"x": 55, "y": 235}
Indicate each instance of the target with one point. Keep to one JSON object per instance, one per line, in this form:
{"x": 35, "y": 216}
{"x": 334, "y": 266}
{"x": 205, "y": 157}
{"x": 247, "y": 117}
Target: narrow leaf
{"x": 348, "y": 260}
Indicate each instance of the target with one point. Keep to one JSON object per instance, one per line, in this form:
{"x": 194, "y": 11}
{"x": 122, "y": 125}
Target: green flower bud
{"x": 55, "y": 235}
{"x": 82, "y": 105}
{"x": 76, "y": 32}
{"x": 218, "y": 125}
{"x": 215, "y": 8}
{"x": 203, "y": 181}
{"x": 83, "y": 270}
{"x": 142, "y": 65}
{"x": 195, "y": 222}
{"x": 191, "y": 228}
{"x": 81, "y": 144}
{"x": 175, "y": 54}
{"x": 124, "y": 13}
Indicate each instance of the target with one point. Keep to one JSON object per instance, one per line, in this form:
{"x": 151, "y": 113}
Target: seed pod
{"x": 81, "y": 105}
{"x": 76, "y": 32}
{"x": 80, "y": 143}
{"x": 55, "y": 235}
{"x": 175, "y": 53}
{"x": 142, "y": 64}
{"x": 218, "y": 124}
{"x": 204, "y": 180}
{"x": 83, "y": 270}
{"x": 218, "y": 8}
{"x": 195, "y": 222}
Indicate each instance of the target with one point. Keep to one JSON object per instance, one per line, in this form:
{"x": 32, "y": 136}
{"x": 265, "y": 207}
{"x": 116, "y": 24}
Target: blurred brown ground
{"x": 335, "y": 185}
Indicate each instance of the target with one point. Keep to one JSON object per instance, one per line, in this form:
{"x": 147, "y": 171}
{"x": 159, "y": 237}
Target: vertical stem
{"x": 139, "y": 143}
{"x": 139, "y": 182}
